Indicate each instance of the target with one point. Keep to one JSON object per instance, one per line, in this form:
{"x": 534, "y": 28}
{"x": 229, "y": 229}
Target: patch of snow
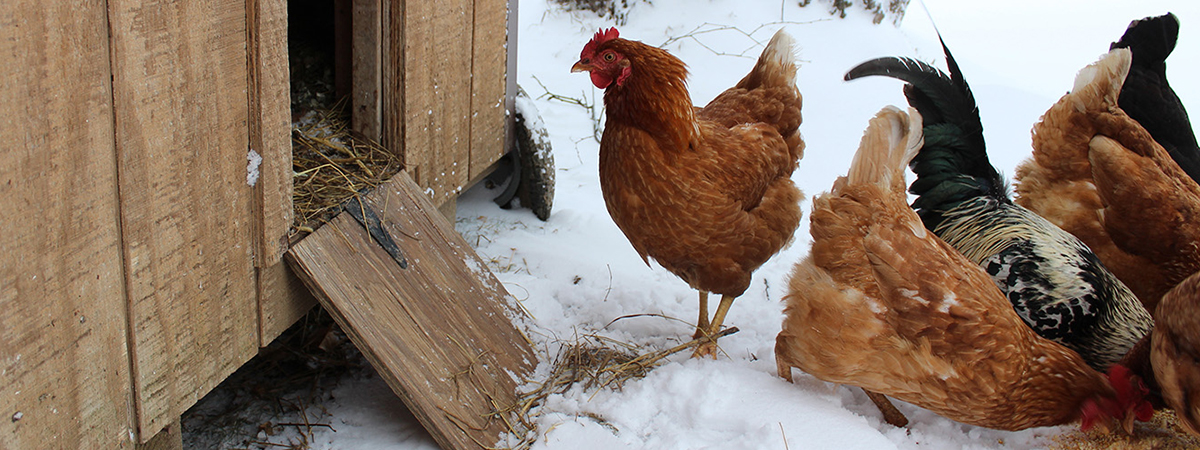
{"x": 253, "y": 161}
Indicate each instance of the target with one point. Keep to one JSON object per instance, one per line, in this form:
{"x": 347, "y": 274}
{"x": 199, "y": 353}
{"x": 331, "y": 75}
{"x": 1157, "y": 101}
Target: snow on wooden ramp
{"x": 427, "y": 314}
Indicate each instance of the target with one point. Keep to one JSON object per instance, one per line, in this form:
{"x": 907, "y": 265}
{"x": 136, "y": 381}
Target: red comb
{"x": 1131, "y": 391}
{"x": 601, "y": 37}
{"x": 605, "y": 35}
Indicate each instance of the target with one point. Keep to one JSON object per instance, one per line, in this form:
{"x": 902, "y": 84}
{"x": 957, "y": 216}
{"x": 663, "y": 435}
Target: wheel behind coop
{"x": 530, "y": 166}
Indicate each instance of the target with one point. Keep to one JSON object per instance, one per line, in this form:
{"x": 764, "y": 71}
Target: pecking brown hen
{"x": 884, "y": 304}
{"x": 705, "y": 192}
{"x": 1175, "y": 353}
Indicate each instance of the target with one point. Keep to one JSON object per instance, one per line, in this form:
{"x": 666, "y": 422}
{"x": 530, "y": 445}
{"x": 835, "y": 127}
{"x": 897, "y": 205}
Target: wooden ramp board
{"x": 439, "y": 331}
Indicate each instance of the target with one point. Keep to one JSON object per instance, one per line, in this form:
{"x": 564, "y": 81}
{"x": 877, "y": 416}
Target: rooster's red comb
{"x": 1131, "y": 391}
{"x": 1127, "y": 385}
{"x": 601, "y": 37}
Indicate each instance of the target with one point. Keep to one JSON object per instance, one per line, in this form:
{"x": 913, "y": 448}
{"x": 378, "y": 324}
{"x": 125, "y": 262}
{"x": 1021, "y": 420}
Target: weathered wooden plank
{"x": 170, "y": 438}
{"x": 391, "y": 95}
{"x": 64, "y": 371}
{"x": 367, "y": 70}
{"x": 180, "y": 94}
{"x": 488, "y": 85}
{"x": 437, "y": 41}
{"x": 283, "y": 300}
{"x": 440, "y": 331}
{"x": 270, "y": 126}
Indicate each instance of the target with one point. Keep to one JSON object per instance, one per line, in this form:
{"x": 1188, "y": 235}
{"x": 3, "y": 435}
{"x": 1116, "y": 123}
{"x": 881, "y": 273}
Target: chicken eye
{"x": 609, "y": 57}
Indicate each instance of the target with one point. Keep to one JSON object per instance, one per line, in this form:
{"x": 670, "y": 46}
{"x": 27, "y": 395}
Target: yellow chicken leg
{"x": 709, "y": 348}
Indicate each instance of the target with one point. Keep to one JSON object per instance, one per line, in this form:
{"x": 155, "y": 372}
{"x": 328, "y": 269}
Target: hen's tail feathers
{"x": 891, "y": 140}
{"x": 1148, "y": 98}
{"x": 776, "y": 66}
{"x": 1151, "y": 39}
{"x": 1102, "y": 80}
{"x": 952, "y": 165}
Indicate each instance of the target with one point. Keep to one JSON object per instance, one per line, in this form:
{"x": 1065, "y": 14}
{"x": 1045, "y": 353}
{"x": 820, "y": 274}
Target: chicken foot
{"x": 709, "y": 348}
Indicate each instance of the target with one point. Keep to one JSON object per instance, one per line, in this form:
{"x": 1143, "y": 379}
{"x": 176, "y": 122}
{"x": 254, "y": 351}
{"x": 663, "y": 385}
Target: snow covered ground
{"x": 575, "y": 273}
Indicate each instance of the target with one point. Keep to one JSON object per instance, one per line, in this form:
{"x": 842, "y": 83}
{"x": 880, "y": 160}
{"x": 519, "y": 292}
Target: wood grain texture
{"x": 437, "y": 41}
{"x": 367, "y": 68}
{"x": 440, "y": 332}
{"x": 270, "y": 125}
{"x": 284, "y": 300}
{"x": 281, "y": 297}
{"x": 180, "y": 96}
{"x": 488, "y": 85}
{"x": 391, "y": 95}
{"x": 64, "y": 370}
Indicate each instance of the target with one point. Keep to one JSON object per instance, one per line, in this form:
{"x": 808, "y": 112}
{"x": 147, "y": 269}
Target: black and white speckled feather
{"x": 1054, "y": 282}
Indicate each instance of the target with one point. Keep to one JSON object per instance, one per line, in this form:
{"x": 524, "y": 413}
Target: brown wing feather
{"x": 1059, "y": 182}
{"x": 1152, "y": 208}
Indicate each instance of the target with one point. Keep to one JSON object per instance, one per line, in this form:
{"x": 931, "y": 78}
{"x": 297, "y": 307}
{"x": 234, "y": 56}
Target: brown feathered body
{"x": 883, "y": 304}
{"x": 706, "y": 192}
{"x": 1098, "y": 174}
{"x": 1175, "y": 351}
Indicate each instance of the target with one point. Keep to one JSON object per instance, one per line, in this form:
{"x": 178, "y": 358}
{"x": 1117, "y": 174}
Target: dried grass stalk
{"x": 600, "y": 364}
{"x": 331, "y": 164}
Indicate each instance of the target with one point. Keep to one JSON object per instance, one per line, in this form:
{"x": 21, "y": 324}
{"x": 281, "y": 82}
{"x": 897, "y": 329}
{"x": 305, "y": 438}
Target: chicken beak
{"x": 1127, "y": 424}
{"x": 581, "y": 67}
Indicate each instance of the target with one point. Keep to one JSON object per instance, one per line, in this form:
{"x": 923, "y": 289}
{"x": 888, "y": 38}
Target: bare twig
{"x": 590, "y": 106}
{"x": 709, "y": 27}
{"x": 662, "y": 316}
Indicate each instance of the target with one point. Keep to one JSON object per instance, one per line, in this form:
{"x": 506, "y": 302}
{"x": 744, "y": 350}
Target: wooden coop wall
{"x": 64, "y": 373}
{"x": 140, "y": 268}
{"x": 439, "y": 96}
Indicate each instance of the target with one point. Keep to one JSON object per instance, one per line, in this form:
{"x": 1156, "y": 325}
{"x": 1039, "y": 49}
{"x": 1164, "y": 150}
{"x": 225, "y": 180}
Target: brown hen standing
{"x": 884, "y": 304}
{"x": 705, "y": 192}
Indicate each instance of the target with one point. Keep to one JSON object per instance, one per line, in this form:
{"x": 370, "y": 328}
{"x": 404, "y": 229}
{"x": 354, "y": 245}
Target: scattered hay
{"x": 331, "y": 164}
{"x": 604, "y": 363}
{"x": 1162, "y": 432}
